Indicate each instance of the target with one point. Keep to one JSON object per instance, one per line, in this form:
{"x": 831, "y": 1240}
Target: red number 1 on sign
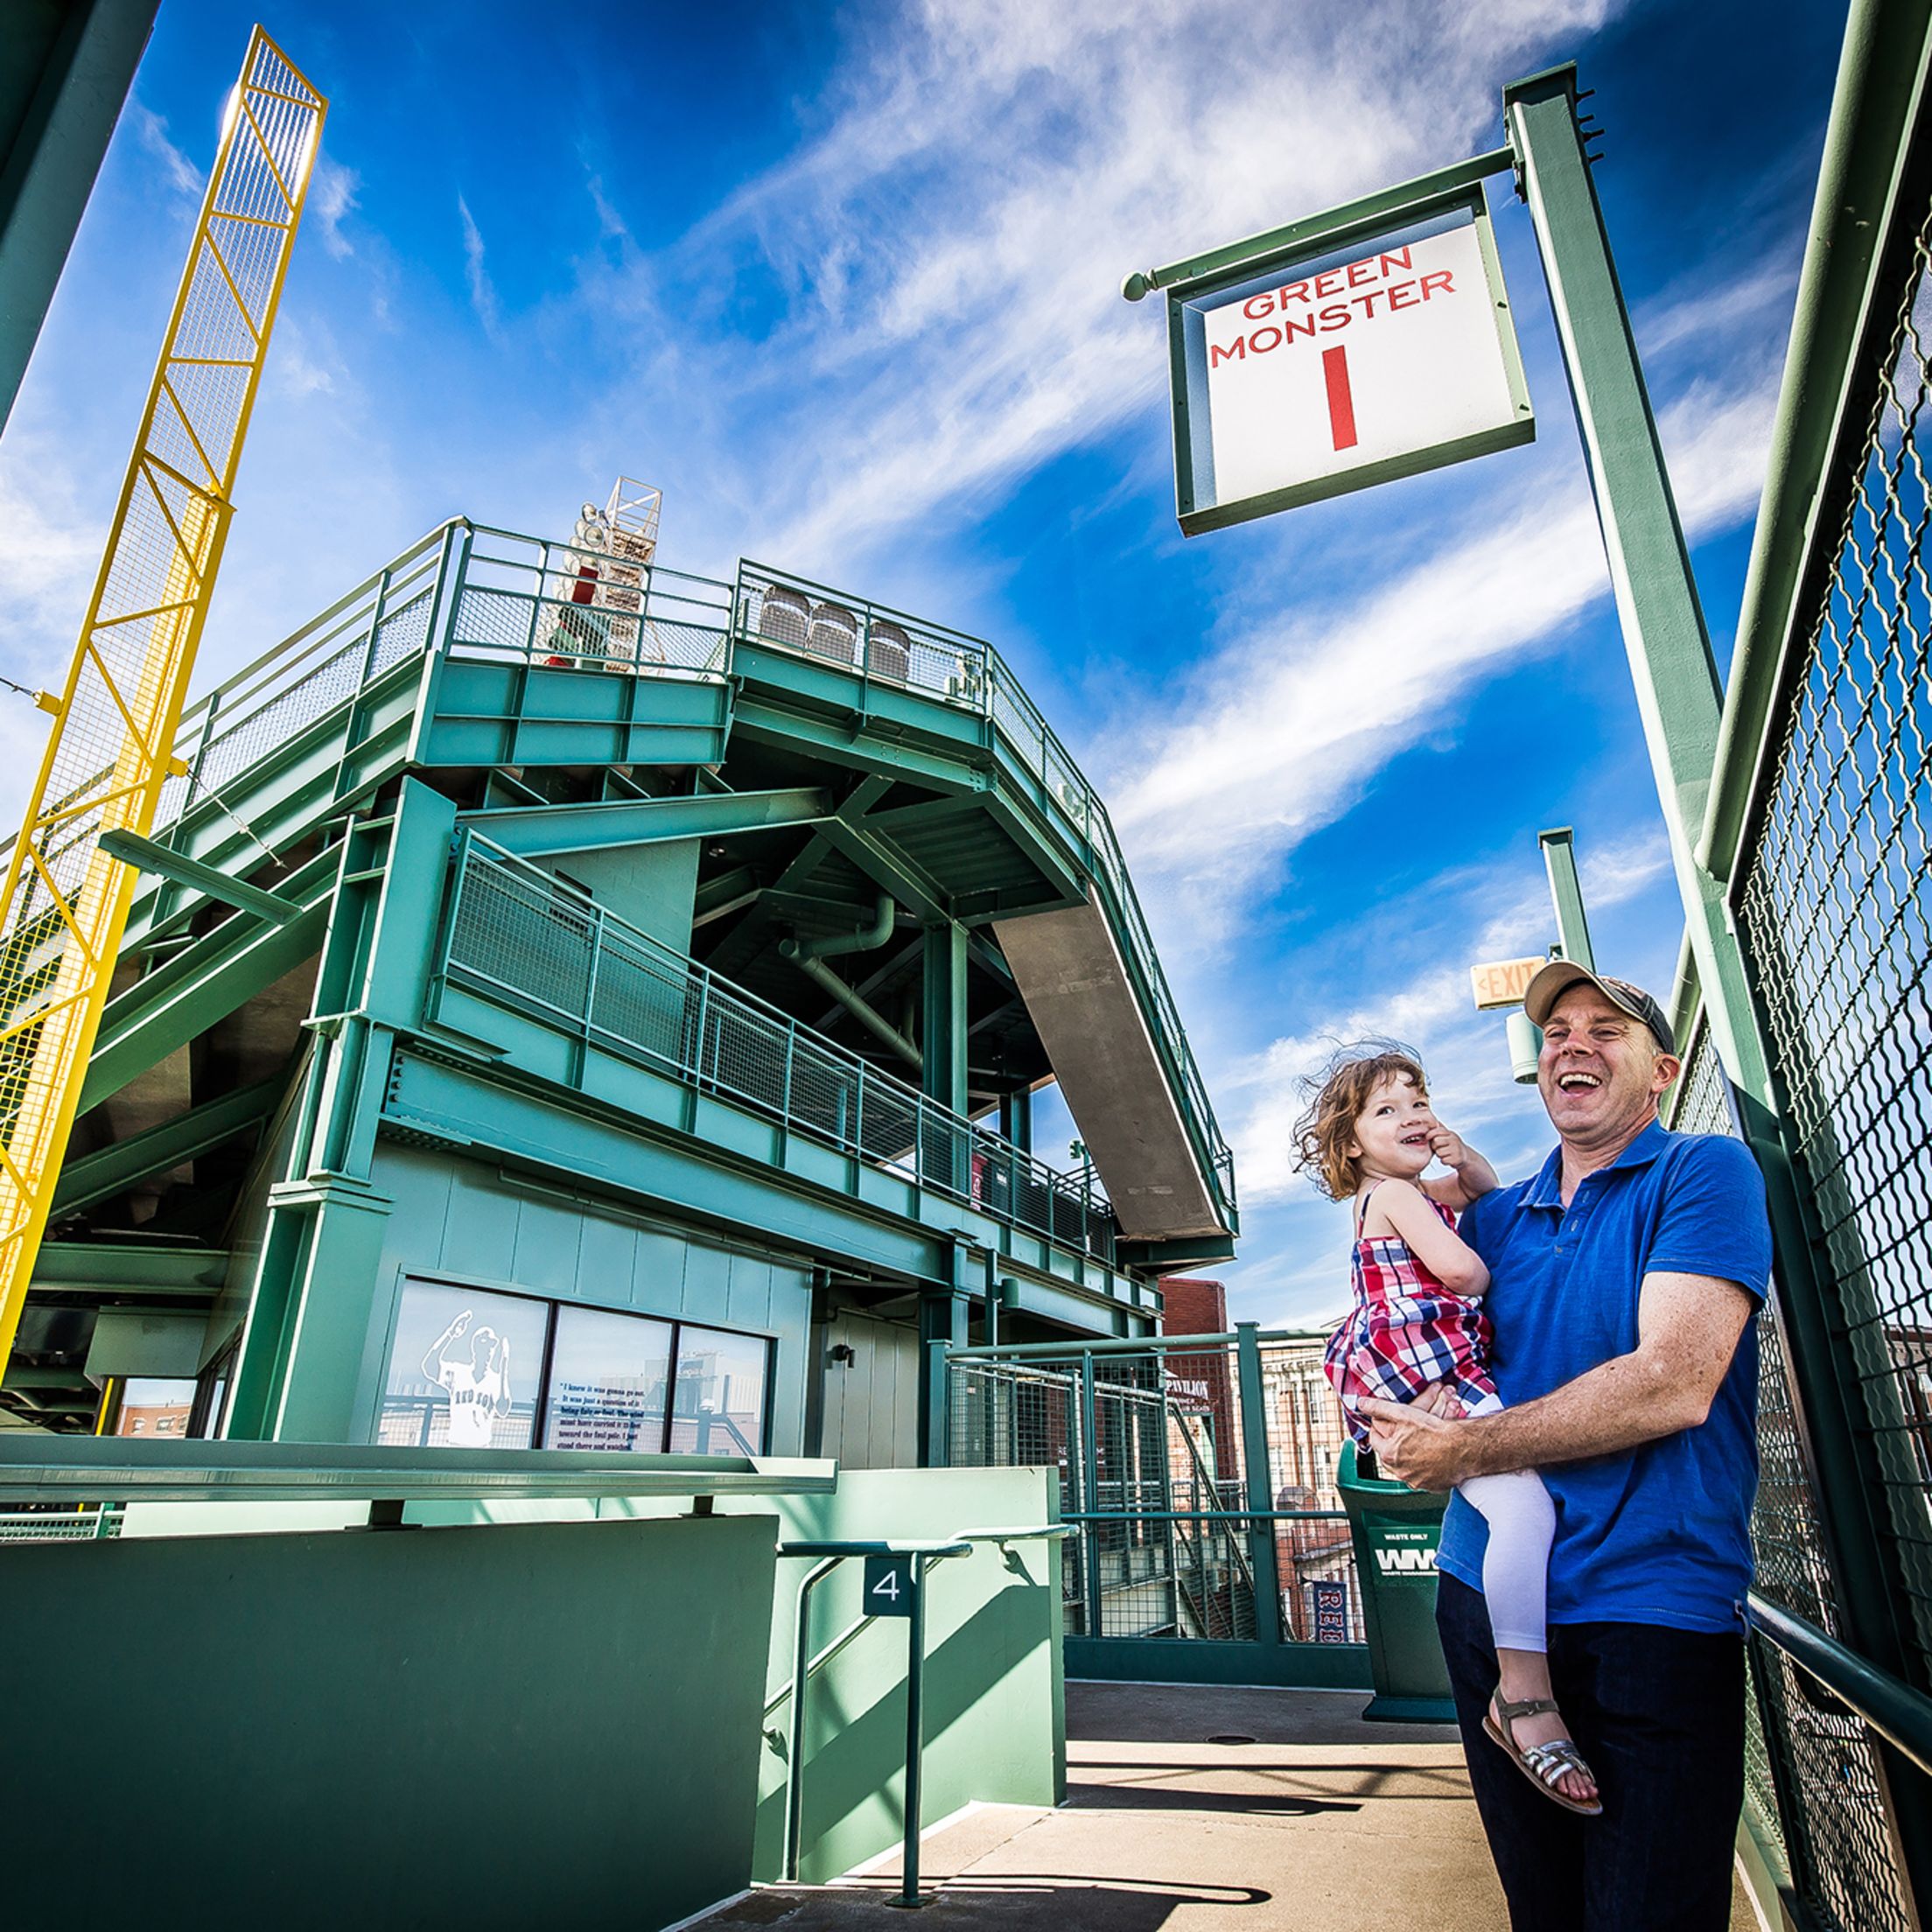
{"x": 1341, "y": 400}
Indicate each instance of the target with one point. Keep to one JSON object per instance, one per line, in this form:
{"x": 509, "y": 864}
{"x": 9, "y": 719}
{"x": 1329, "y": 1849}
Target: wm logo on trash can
{"x": 1418, "y": 1561}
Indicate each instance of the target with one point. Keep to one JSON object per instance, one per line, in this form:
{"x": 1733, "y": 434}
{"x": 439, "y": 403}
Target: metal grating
{"x": 1152, "y": 1455}
{"x": 517, "y": 935}
{"x": 1836, "y": 905}
{"x": 1810, "y": 1772}
{"x": 63, "y": 905}
{"x": 850, "y": 635}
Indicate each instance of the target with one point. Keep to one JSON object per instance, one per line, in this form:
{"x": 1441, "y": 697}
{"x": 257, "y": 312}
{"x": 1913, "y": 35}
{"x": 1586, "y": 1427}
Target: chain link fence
{"x": 1811, "y": 1776}
{"x": 520, "y": 937}
{"x": 1833, "y": 893}
{"x": 1152, "y": 1447}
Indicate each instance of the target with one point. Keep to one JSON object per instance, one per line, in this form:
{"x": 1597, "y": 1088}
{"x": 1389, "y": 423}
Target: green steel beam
{"x": 792, "y": 731}
{"x": 942, "y": 1031}
{"x": 1676, "y": 682}
{"x": 1371, "y": 211}
{"x": 723, "y": 894}
{"x": 886, "y": 866}
{"x": 1559, "y": 860}
{"x": 129, "y": 1267}
{"x": 1260, "y": 1483}
{"x": 544, "y": 831}
{"x": 1671, "y": 667}
{"x": 179, "y": 869}
{"x": 71, "y": 1469}
{"x": 65, "y": 71}
{"x": 1842, "y": 324}
{"x": 110, "y": 1171}
{"x": 204, "y": 982}
{"x": 1168, "y": 1257}
{"x": 989, "y": 958}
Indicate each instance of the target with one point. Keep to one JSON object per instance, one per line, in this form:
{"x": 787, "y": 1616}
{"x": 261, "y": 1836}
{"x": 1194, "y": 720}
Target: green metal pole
{"x": 1671, "y": 665}
{"x": 915, "y": 1699}
{"x": 1089, "y": 1476}
{"x": 802, "y": 1666}
{"x": 1559, "y": 860}
{"x": 1261, "y": 1481}
{"x": 1675, "y": 680}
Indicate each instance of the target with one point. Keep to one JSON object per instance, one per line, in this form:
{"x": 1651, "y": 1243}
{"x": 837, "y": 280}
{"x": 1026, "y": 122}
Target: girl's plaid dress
{"x": 1405, "y": 1331}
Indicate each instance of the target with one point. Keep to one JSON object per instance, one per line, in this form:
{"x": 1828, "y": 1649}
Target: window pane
{"x": 155, "y": 1405}
{"x": 720, "y": 1406}
{"x": 463, "y": 1369}
{"x": 607, "y": 1376}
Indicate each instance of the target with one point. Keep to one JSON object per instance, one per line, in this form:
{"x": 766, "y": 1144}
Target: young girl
{"x": 1418, "y": 1321}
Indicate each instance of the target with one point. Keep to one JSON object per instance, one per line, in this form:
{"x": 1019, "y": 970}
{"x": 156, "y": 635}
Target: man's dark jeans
{"x": 1659, "y": 1714}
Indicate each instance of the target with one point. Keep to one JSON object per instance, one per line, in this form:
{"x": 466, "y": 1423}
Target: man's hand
{"x": 1413, "y": 1444}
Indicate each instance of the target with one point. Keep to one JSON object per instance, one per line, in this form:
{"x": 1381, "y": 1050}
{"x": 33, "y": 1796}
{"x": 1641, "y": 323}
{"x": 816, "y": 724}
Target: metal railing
{"x": 516, "y": 936}
{"x": 1205, "y": 1503}
{"x": 88, "y": 1523}
{"x": 529, "y": 600}
{"x": 877, "y": 644}
{"x": 1819, "y": 830}
{"x": 536, "y": 602}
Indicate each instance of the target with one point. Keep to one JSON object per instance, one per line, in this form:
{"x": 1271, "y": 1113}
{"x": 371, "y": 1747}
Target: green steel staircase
{"x": 874, "y": 753}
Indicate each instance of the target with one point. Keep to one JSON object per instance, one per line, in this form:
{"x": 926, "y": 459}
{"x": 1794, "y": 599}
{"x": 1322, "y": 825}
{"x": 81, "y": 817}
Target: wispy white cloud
{"x": 1291, "y": 720}
{"x": 477, "y": 274}
{"x": 177, "y": 172}
{"x": 333, "y": 199}
{"x": 1299, "y": 1239}
{"x": 945, "y": 258}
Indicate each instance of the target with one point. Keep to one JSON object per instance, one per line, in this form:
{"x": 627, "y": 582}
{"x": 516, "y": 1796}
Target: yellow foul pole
{"x": 65, "y": 903}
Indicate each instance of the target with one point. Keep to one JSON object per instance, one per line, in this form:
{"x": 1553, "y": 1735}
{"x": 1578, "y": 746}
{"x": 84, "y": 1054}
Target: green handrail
{"x": 830, "y": 1554}
{"x": 1900, "y": 1714}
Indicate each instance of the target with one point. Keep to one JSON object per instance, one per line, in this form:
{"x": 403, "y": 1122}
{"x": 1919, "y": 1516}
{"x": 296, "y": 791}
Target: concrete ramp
{"x": 1069, "y": 972}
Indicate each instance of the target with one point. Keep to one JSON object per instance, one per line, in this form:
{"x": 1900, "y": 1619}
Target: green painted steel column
{"x": 1016, "y": 1120}
{"x": 943, "y": 1314}
{"x": 1559, "y": 859}
{"x": 1086, "y": 1459}
{"x": 1676, "y": 682}
{"x": 1261, "y": 1481}
{"x": 301, "y": 1357}
{"x": 942, "y": 1035}
{"x": 1671, "y": 667}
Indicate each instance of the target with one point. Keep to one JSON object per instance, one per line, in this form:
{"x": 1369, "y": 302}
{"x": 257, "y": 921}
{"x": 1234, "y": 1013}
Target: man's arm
{"x": 1688, "y": 1327}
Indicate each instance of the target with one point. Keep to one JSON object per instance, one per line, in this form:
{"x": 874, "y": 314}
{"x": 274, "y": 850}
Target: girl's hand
{"x": 1446, "y": 1144}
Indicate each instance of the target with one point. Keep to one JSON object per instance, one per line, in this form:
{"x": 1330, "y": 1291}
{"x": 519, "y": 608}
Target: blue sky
{"x": 843, "y": 280}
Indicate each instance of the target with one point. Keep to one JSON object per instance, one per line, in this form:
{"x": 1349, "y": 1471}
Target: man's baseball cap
{"x": 1553, "y": 981}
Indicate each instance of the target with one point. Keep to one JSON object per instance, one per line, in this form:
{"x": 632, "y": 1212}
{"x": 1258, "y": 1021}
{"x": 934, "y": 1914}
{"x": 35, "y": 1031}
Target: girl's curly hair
{"x": 1336, "y": 1095}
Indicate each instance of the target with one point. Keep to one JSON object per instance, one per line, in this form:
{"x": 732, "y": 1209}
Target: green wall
{"x": 995, "y": 1701}
{"x": 651, "y": 887}
{"x": 512, "y": 1725}
{"x": 995, "y": 1695}
{"x": 460, "y": 1220}
{"x": 869, "y": 1408}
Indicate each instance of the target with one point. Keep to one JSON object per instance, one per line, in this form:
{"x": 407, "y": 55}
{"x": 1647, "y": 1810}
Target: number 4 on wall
{"x": 889, "y": 1586}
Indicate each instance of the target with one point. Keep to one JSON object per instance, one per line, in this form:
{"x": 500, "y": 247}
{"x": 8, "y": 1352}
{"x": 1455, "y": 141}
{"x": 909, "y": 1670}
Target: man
{"x": 1624, "y": 1277}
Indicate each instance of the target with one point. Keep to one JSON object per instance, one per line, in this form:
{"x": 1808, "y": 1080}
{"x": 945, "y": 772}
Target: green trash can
{"x": 1395, "y": 1529}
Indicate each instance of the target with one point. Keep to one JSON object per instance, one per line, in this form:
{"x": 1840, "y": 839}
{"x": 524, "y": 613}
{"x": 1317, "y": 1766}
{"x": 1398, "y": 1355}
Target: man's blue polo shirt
{"x": 1660, "y": 1534}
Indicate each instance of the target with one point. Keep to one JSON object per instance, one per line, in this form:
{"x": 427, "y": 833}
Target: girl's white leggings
{"x": 1515, "y": 1569}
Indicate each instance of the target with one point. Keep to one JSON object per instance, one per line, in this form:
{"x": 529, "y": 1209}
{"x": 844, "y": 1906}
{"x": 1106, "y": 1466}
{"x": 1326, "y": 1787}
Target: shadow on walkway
{"x": 1164, "y": 1831}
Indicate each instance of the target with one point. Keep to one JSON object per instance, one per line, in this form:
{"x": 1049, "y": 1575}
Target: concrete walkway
{"x": 1197, "y": 1810}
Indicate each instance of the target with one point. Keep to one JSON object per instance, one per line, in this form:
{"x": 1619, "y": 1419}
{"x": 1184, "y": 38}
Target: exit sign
{"x": 1503, "y": 982}
{"x": 1387, "y": 353}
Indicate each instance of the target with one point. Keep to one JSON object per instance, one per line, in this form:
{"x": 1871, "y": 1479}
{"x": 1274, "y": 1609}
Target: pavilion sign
{"x": 1388, "y": 351}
